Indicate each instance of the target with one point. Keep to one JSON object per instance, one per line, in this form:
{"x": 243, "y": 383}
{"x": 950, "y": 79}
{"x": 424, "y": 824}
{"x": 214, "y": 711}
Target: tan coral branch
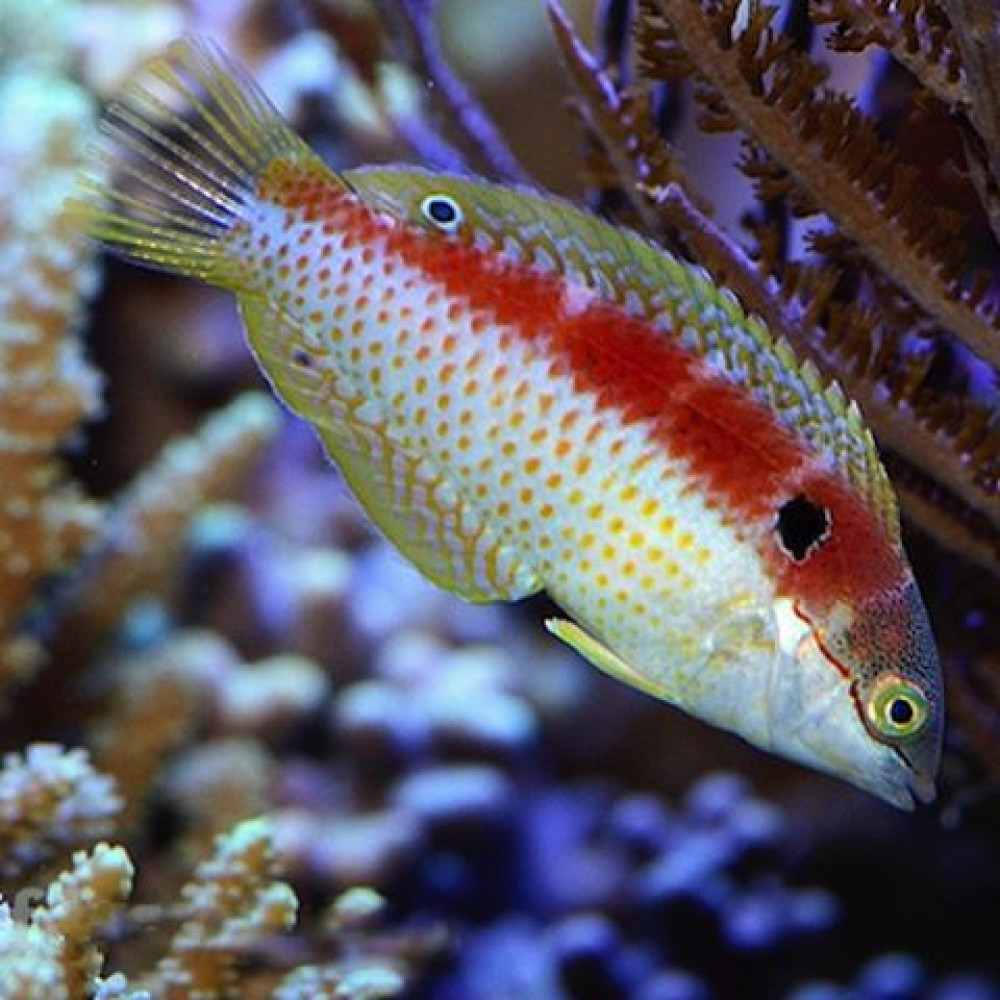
{"x": 51, "y": 797}
{"x": 232, "y": 903}
{"x": 55, "y": 952}
{"x": 140, "y": 544}
{"x": 46, "y": 388}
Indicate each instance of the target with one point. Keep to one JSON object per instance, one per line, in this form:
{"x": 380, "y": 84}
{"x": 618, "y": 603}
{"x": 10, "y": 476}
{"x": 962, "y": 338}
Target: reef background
{"x": 251, "y": 754}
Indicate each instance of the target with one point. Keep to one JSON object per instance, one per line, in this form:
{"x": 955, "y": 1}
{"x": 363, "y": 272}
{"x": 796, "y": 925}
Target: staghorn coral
{"x": 217, "y": 783}
{"x": 187, "y": 710}
{"x": 137, "y": 553}
{"x": 361, "y": 973}
{"x": 153, "y": 711}
{"x": 231, "y": 902}
{"x": 53, "y": 954}
{"x": 46, "y": 387}
{"x": 313, "y": 983}
{"x": 51, "y": 797}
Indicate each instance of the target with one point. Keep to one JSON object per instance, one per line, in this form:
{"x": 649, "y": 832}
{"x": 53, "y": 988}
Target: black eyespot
{"x": 802, "y": 526}
{"x": 301, "y": 357}
{"x": 442, "y": 211}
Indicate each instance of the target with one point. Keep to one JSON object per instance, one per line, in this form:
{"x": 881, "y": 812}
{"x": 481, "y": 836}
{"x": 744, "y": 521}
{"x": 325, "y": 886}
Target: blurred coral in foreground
{"x": 251, "y": 754}
{"x": 47, "y": 389}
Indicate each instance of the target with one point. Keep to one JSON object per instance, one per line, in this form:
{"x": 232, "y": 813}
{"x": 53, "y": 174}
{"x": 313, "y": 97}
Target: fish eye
{"x": 802, "y": 527}
{"x": 898, "y": 709}
{"x": 442, "y": 211}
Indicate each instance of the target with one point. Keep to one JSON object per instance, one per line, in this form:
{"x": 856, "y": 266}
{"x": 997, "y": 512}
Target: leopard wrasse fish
{"x": 526, "y": 398}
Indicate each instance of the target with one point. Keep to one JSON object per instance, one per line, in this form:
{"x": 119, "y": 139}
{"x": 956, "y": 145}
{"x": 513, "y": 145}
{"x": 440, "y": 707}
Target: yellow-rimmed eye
{"x": 898, "y": 709}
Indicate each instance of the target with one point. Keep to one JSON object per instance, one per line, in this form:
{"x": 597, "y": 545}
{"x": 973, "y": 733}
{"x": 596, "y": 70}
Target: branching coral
{"x": 315, "y": 983}
{"x": 46, "y": 387}
{"x": 51, "y": 797}
{"x": 52, "y": 954}
{"x": 194, "y": 685}
{"x": 153, "y": 711}
{"x": 232, "y": 902}
{"x": 361, "y": 973}
{"x": 139, "y": 548}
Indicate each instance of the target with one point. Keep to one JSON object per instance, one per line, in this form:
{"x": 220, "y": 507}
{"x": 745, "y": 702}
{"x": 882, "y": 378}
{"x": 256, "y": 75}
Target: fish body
{"x": 524, "y": 398}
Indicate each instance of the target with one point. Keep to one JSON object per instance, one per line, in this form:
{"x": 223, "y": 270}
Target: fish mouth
{"x": 923, "y": 788}
{"x": 906, "y": 790}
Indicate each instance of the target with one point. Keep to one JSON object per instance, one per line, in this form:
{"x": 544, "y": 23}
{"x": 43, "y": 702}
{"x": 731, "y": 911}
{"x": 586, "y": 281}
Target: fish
{"x": 527, "y": 398}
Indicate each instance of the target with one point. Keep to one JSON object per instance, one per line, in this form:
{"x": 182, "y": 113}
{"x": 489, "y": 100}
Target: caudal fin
{"x": 184, "y": 147}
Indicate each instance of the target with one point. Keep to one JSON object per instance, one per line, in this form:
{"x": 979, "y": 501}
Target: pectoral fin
{"x": 600, "y": 656}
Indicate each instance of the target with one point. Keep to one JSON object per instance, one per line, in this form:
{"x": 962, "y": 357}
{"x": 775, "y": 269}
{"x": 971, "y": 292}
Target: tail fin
{"x": 185, "y": 145}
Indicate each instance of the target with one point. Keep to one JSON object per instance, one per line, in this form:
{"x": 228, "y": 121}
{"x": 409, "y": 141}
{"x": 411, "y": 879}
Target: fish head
{"x": 857, "y": 689}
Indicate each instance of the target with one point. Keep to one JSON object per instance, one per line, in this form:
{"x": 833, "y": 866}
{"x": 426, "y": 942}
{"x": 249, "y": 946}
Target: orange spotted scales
{"x": 524, "y": 398}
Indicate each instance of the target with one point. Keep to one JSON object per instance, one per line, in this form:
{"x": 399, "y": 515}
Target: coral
{"x": 271, "y": 695}
{"x": 311, "y": 982}
{"x": 153, "y": 712}
{"x": 232, "y": 901}
{"x": 217, "y": 783}
{"x": 51, "y": 797}
{"x": 361, "y": 973}
{"x": 189, "y": 685}
{"x": 52, "y": 955}
{"x": 24, "y": 47}
{"x": 46, "y": 388}
{"x": 77, "y": 903}
{"x": 369, "y": 966}
{"x": 104, "y": 61}
{"x": 137, "y": 552}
